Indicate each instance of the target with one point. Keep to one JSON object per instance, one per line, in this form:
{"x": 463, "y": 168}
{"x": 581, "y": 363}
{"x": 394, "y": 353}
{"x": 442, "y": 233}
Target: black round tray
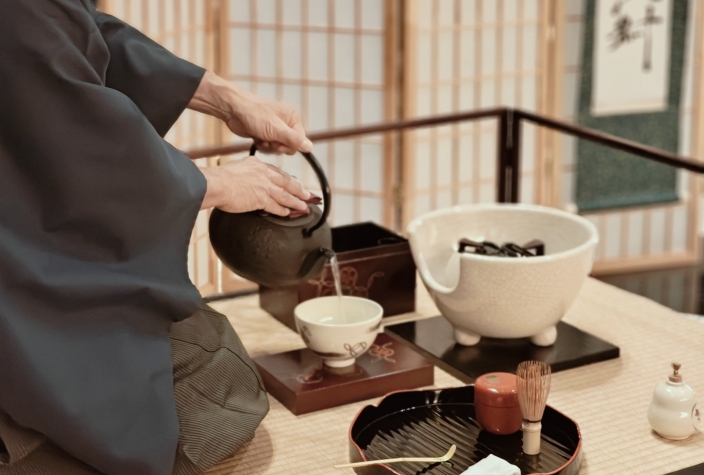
{"x": 426, "y": 423}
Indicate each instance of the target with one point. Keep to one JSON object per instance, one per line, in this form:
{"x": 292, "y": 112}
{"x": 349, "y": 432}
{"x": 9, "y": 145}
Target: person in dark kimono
{"x": 109, "y": 363}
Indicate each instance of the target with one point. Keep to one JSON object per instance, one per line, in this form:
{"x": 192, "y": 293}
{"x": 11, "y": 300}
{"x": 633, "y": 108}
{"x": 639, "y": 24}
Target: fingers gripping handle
{"x": 324, "y": 186}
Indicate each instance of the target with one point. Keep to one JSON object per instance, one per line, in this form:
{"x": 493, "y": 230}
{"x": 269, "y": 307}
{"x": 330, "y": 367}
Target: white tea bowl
{"x": 503, "y": 297}
{"x": 338, "y": 339}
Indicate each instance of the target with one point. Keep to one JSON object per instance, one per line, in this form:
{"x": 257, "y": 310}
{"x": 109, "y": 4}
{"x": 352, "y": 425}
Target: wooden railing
{"x": 508, "y": 158}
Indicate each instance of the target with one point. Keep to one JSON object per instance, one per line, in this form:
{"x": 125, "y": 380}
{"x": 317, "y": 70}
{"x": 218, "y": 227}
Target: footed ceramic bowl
{"x": 503, "y": 297}
{"x": 338, "y": 340}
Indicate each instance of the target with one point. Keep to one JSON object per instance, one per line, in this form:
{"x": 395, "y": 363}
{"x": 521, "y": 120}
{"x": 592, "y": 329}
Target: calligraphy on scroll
{"x": 631, "y": 56}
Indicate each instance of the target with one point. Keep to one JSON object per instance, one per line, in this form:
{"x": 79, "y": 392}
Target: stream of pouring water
{"x": 334, "y": 265}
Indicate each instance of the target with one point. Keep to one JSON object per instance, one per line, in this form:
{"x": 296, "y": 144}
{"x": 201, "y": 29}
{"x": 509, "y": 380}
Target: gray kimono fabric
{"x": 220, "y": 401}
{"x": 96, "y": 211}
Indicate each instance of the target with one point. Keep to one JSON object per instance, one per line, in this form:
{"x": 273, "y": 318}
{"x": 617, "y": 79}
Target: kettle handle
{"x": 324, "y": 186}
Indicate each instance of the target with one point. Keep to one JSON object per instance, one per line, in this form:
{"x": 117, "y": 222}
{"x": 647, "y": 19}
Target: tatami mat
{"x": 608, "y": 400}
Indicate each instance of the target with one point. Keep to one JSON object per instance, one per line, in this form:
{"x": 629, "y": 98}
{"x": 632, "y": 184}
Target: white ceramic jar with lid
{"x": 672, "y": 411}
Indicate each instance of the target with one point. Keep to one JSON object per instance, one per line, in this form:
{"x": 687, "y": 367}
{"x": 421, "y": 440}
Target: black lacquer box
{"x": 375, "y": 263}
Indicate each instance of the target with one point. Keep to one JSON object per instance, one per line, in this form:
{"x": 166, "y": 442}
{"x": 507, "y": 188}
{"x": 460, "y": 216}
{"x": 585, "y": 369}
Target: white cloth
{"x": 492, "y": 465}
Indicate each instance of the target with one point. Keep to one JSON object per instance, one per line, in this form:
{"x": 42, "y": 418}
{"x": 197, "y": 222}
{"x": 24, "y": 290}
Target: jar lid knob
{"x": 676, "y": 377}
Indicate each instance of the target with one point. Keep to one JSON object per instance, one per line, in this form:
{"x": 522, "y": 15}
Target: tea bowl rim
{"x": 377, "y": 316}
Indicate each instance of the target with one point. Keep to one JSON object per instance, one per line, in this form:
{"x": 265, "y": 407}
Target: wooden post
{"x": 393, "y": 88}
{"x": 509, "y": 154}
{"x": 548, "y": 167}
{"x": 408, "y": 108}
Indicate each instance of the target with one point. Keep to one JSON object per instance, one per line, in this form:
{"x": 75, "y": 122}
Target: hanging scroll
{"x": 631, "y": 87}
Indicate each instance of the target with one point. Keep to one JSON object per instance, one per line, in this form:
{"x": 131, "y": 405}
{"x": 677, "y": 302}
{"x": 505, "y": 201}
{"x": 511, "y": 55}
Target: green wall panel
{"x": 608, "y": 178}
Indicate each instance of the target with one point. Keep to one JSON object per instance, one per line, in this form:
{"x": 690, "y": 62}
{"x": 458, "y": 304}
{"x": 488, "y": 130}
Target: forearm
{"x": 216, "y": 97}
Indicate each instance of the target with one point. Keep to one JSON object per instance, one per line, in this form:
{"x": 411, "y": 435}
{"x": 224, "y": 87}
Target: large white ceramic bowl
{"x": 503, "y": 297}
{"x": 338, "y": 340}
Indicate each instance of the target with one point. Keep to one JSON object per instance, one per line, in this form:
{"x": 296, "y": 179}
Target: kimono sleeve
{"x": 96, "y": 212}
{"x": 160, "y": 83}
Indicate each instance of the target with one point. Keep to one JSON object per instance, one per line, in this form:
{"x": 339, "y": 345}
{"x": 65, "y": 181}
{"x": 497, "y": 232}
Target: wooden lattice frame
{"x": 411, "y": 86}
{"x": 399, "y": 101}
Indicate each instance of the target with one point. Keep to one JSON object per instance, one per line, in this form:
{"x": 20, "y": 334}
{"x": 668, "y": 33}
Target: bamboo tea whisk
{"x": 532, "y": 386}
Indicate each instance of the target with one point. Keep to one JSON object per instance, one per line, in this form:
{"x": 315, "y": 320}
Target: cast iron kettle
{"x": 275, "y": 251}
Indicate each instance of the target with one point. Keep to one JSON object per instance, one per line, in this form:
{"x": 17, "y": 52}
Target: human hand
{"x": 274, "y": 125}
{"x": 249, "y": 184}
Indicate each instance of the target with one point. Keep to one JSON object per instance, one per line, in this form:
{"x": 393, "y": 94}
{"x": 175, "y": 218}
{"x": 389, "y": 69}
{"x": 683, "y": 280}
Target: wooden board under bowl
{"x": 433, "y": 339}
{"x": 299, "y": 380}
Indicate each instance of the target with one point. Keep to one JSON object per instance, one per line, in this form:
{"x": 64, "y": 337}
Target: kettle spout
{"x": 328, "y": 253}
{"x": 314, "y": 262}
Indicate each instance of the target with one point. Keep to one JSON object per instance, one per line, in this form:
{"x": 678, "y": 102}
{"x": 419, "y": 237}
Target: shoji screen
{"x": 327, "y": 58}
{"x": 186, "y": 28}
{"x": 640, "y": 237}
{"x": 467, "y": 55}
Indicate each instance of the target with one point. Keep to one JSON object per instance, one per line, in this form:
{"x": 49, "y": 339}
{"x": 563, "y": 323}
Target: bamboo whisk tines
{"x": 532, "y": 386}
